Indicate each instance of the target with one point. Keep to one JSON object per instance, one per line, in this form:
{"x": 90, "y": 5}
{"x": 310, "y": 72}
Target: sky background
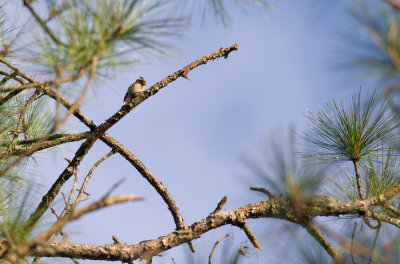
{"x": 192, "y": 134}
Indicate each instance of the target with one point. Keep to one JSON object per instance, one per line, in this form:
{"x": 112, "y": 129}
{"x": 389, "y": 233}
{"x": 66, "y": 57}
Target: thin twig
{"x": 352, "y": 243}
{"x": 8, "y": 97}
{"x": 20, "y": 120}
{"x": 278, "y": 208}
{"x": 314, "y": 231}
{"x": 250, "y": 235}
{"x": 112, "y": 143}
{"x": 41, "y": 143}
{"x": 358, "y": 178}
{"x": 107, "y": 201}
{"x": 71, "y": 193}
{"x": 191, "y": 247}
{"x": 345, "y": 243}
{"x": 57, "y": 89}
{"x": 374, "y": 244}
{"x": 29, "y": 151}
{"x": 42, "y": 23}
{"x": 116, "y": 240}
{"x": 264, "y": 191}
{"x": 85, "y": 181}
{"x": 8, "y": 76}
{"x": 391, "y": 208}
{"x": 240, "y": 253}
{"x": 48, "y": 143}
{"x": 220, "y": 205}
{"x": 215, "y": 246}
{"x": 39, "y": 85}
{"x": 114, "y": 186}
{"x": 384, "y": 218}
{"x": 222, "y": 52}
{"x": 81, "y": 95}
{"x": 366, "y": 220}
{"x": 25, "y": 86}
{"x": 43, "y": 84}
{"x": 100, "y": 130}
{"x": 71, "y": 207}
{"x": 17, "y": 70}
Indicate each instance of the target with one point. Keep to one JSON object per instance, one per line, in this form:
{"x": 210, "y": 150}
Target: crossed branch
{"x": 275, "y": 207}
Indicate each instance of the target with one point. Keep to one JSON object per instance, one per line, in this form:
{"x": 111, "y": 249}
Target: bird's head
{"x": 142, "y": 80}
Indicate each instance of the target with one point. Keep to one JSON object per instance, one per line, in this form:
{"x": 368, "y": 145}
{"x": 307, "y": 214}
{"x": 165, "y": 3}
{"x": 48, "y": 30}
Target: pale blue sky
{"x": 191, "y": 134}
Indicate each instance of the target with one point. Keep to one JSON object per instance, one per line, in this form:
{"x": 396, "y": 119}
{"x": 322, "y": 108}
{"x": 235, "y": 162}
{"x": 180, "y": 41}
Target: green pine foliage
{"x": 352, "y": 129}
{"x": 108, "y": 30}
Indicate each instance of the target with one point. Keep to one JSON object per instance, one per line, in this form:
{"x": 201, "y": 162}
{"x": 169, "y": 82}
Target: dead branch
{"x": 281, "y": 208}
{"x": 52, "y": 141}
{"x": 75, "y": 214}
{"x": 314, "y": 231}
{"x": 101, "y": 129}
{"x": 46, "y": 29}
{"x": 85, "y": 181}
{"x": 264, "y": 191}
{"x": 220, "y": 205}
{"x": 215, "y": 246}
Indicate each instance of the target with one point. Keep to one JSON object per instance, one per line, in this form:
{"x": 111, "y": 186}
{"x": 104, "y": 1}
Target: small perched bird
{"x": 135, "y": 88}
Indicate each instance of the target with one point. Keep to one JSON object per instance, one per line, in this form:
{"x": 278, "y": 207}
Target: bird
{"x": 134, "y": 89}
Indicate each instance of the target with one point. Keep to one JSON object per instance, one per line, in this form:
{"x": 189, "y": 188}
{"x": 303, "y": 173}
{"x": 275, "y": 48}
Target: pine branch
{"x": 46, "y": 29}
{"x": 280, "y": 208}
{"x": 314, "y": 231}
{"x": 101, "y": 129}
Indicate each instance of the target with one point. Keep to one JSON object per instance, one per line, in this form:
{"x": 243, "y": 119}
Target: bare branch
{"x": 239, "y": 253}
{"x": 277, "y": 208}
{"x": 52, "y": 141}
{"x": 78, "y": 101}
{"x": 391, "y": 208}
{"x": 190, "y": 244}
{"x": 384, "y": 218}
{"x": 374, "y": 244}
{"x": 107, "y": 201}
{"x": 100, "y": 130}
{"x": 281, "y": 208}
{"x": 25, "y": 86}
{"x": 220, "y": 205}
{"x": 116, "y": 240}
{"x": 141, "y": 168}
{"x": 215, "y": 246}
{"x": 320, "y": 238}
{"x": 352, "y": 243}
{"x": 358, "y": 178}
{"x": 251, "y": 236}
{"x": 27, "y": 3}
{"x": 112, "y": 143}
{"x": 385, "y": 196}
{"x": 21, "y": 118}
{"x": 85, "y": 181}
{"x": 222, "y": 52}
{"x": 17, "y": 70}
{"x": 114, "y": 186}
{"x": 264, "y": 191}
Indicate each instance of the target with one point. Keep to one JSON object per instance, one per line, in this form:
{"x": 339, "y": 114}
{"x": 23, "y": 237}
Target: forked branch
{"x": 99, "y": 131}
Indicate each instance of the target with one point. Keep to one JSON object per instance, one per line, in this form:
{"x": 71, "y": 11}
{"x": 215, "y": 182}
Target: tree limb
{"x": 314, "y": 231}
{"x": 101, "y": 129}
{"x": 280, "y": 208}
